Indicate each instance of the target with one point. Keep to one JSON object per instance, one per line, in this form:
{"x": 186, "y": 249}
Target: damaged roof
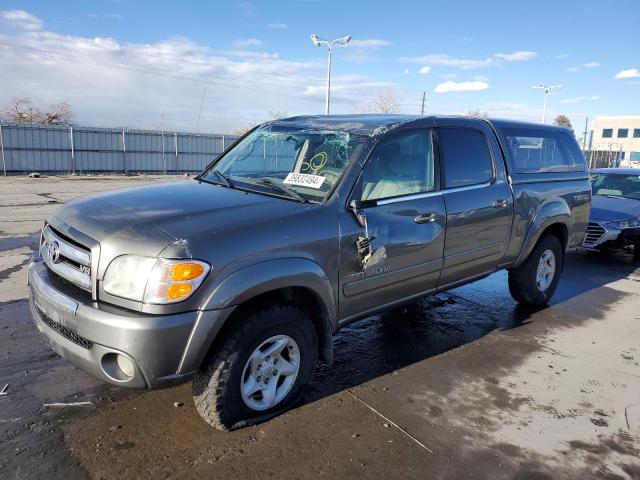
{"x": 361, "y": 124}
{"x": 377, "y": 124}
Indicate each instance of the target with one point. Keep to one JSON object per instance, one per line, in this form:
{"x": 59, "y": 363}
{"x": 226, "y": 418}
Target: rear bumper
{"x": 163, "y": 349}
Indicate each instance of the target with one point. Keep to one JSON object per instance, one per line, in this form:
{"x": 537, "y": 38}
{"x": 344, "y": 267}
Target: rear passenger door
{"x": 478, "y": 200}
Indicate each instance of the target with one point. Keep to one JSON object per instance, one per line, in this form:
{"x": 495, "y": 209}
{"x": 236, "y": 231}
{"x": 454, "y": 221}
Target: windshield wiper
{"x": 223, "y": 178}
{"x": 286, "y": 190}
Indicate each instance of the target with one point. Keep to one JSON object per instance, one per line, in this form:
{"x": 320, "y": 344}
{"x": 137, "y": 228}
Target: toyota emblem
{"x": 53, "y": 250}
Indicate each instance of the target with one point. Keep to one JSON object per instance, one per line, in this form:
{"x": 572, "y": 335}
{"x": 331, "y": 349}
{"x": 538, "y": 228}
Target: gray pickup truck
{"x": 239, "y": 277}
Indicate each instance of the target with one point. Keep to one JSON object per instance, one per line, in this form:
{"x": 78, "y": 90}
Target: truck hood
{"x": 148, "y": 218}
{"x": 614, "y": 209}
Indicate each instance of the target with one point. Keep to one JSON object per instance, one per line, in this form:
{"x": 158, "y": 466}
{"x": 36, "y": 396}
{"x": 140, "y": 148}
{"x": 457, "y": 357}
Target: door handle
{"x": 426, "y": 218}
{"x": 500, "y": 203}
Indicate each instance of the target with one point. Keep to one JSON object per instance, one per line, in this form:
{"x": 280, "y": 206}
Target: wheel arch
{"x": 553, "y": 217}
{"x": 294, "y": 280}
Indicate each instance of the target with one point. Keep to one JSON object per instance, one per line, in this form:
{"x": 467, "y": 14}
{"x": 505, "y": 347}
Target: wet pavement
{"x": 466, "y": 384}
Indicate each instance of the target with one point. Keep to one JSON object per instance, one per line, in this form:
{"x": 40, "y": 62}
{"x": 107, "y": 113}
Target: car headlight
{"x": 622, "y": 224}
{"x": 153, "y": 280}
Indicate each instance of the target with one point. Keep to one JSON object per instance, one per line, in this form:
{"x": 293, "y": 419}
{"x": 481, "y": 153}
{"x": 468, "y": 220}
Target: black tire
{"x": 216, "y": 386}
{"x": 522, "y": 280}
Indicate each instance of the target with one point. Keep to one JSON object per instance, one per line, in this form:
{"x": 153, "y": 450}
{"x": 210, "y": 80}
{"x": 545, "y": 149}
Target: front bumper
{"x": 163, "y": 349}
{"x": 601, "y": 234}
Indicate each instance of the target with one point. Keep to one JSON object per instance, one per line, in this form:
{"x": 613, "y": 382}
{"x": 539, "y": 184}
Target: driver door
{"x": 398, "y": 193}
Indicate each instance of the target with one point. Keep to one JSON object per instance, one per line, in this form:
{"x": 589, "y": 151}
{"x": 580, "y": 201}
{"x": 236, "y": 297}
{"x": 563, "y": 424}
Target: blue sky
{"x": 137, "y": 63}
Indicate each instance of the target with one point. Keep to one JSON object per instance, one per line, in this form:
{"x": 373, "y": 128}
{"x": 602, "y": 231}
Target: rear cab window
{"x": 542, "y": 151}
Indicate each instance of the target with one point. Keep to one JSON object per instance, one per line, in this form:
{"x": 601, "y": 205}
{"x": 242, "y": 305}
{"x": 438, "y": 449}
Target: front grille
{"x": 66, "y": 258}
{"x": 594, "y": 233}
{"x": 64, "y": 331}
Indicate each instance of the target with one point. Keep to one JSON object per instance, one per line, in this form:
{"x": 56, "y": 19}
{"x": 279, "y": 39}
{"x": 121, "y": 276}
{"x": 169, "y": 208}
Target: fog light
{"x": 125, "y": 365}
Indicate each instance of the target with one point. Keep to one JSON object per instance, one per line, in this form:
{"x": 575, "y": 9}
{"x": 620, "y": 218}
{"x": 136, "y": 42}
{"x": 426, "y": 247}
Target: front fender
{"x": 249, "y": 282}
{"x": 269, "y": 275}
{"x": 551, "y": 212}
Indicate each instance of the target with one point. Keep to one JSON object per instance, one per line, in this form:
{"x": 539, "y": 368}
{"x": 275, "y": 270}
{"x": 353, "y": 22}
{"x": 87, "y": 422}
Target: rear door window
{"x": 465, "y": 157}
{"x": 537, "y": 151}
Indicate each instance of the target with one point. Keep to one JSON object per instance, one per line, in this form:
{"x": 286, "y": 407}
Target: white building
{"x": 617, "y": 134}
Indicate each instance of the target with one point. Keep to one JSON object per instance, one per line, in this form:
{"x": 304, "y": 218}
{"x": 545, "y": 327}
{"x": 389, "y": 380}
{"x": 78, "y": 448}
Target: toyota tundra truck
{"x": 238, "y": 277}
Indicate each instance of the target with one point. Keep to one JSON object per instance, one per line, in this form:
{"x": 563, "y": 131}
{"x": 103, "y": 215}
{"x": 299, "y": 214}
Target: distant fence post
{"x": 164, "y": 163}
{"x": 223, "y": 143}
{"x": 124, "y": 153}
{"x": 175, "y": 144}
{"x": 73, "y": 155}
{"x": 4, "y": 165}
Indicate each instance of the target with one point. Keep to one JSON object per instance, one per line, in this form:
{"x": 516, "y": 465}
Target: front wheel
{"x": 535, "y": 281}
{"x": 260, "y": 369}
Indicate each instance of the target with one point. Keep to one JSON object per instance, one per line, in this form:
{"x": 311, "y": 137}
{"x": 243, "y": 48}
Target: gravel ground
{"x": 465, "y": 384}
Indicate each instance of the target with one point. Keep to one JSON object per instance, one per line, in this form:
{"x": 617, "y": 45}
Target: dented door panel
{"x": 407, "y": 256}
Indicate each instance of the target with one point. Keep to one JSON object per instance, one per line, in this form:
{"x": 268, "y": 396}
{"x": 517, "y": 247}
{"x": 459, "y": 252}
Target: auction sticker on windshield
{"x": 304, "y": 180}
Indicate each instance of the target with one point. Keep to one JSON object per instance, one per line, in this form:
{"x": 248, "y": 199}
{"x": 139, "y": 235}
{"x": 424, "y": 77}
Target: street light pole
{"x": 317, "y": 41}
{"x": 547, "y": 89}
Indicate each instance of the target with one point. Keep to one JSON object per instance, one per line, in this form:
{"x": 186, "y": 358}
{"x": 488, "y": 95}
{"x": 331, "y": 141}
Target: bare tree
{"x": 384, "y": 102}
{"x": 58, "y": 114}
{"x": 20, "y": 110}
{"x": 563, "y": 121}
{"x": 477, "y": 113}
{"x": 23, "y": 110}
{"x": 278, "y": 115}
{"x": 239, "y": 131}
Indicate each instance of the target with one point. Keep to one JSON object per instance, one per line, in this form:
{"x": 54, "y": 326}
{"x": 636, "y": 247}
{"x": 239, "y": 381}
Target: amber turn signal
{"x": 186, "y": 271}
{"x": 179, "y": 290}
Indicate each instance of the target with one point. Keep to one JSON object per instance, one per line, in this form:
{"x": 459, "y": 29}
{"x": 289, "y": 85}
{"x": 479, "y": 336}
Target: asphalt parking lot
{"x": 465, "y": 384}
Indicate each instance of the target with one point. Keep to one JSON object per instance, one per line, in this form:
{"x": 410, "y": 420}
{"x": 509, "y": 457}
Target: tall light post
{"x": 317, "y": 41}
{"x": 547, "y": 89}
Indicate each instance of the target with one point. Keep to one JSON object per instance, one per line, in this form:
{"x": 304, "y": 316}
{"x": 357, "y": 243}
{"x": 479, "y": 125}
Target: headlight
{"x": 622, "y": 224}
{"x": 153, "y": 280}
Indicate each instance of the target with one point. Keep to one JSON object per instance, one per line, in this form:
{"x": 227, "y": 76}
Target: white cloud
{"x": 107, "y": 16}
{"x": 518, "y": 56}
{"x": 365, "y": 50}
{"x": 108, "y": 82}
{"x": 444, "y": 60}
{"x": 562, "y": 56}
{"x": 591, "y": 65}
{"x": 278, "y": 26}
{"x": 580, "y": 99}
{"x": 425, "y": 70}
{"x": 369, "y": 42}
{"x": 246, "y": 43}
{"x": 406, "y": 71}
{"x": 630, "y": 73}
{"x": 21, "y": 19}
{"x": 346, "y": 88}
{"x": 451, "y": 86}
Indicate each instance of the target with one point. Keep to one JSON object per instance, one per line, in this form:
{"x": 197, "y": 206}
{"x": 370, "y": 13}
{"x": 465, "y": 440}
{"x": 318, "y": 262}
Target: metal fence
{"x": 61, "y": 149}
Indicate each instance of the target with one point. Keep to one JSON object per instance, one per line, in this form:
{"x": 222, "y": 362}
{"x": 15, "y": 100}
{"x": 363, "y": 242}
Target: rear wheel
{"x": 260, "y": 369}
{"x": 535, "y": 281}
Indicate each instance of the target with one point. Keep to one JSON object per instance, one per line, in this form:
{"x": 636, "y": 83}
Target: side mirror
{"x": 354, "y": 207}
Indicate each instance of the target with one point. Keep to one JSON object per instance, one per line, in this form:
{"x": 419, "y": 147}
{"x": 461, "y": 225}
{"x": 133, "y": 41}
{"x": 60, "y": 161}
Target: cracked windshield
{"x": 299, "y": 164}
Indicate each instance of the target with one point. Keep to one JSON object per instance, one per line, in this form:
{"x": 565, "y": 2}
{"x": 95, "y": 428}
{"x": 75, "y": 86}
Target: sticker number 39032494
{"x": 304, "y": 180}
